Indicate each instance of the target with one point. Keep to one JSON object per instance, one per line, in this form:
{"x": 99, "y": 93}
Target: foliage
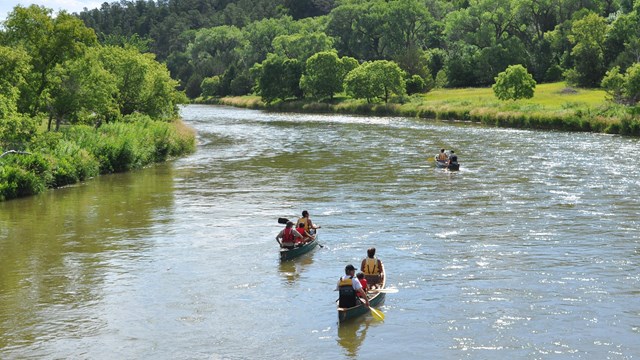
{"x": 49, "y": 42}
{"x": 211, "y": 86}
{"x": 80, "y": 87}
{"x": 587, "y": 36}
{"x": 301, "y": 45}
{"x": 14, "y": 68}
{"x": 623, "y": 89}
{"x": 17, "y": 131}
{"x": 324, "y": 74}
{"x": 278, "y": 78}
{"x": 415, "y": 84}
{"x": 514, "y": 83}
{"x": 143, "y": 85}
{"x": 375, "y": 80}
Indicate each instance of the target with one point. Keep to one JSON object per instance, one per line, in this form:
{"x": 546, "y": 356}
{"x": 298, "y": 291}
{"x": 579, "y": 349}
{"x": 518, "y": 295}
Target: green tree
{"x": 514, "y": 83}
{"x": 278, "y": 78}
{"x": 376, "y": 80}
{"x": 324, "y": 74}
{"x": 302, "y": 45}
{"x": 358, "y": 27}
{"x": 415, "y": 84}
{"x": 143, "y": 84}
{"x": 82, "y": 87}
{"x": 211, "y": 86}
{"x": 588, "y": 36}
{"x": 14, "y": 68}
{"x": 624, "y": 89}
{"x": 48, "y": 41}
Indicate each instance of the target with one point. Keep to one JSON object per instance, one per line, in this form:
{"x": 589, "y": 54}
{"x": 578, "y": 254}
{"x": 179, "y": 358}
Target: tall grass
{"x": 80, "y": 152}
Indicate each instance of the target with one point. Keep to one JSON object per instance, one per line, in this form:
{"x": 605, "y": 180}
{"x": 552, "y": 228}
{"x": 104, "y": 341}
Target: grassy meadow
{"x": 554, "y": 106}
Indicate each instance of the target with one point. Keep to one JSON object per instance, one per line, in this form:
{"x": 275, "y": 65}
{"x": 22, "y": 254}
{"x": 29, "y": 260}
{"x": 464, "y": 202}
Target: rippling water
{"x": 531, "y": 251}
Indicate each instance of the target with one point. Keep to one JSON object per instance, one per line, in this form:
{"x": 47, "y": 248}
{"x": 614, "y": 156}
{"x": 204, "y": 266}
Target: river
{"x": 530, "y": 251}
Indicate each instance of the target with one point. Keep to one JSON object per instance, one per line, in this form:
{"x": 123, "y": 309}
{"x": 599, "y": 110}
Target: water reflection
{"x": 352, "y": 333}
{"x": 58, "y": 249}
{"x": 292, "y": 269}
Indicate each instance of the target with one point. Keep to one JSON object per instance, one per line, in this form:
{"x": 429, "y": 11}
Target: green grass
{"x": 551, "y": 97}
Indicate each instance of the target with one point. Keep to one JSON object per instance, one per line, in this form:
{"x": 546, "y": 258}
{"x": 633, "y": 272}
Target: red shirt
{"x": 363, "y": 282}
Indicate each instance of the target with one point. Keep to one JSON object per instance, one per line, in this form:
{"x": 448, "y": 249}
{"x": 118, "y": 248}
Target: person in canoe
{"x": 442, "y": 156}
{"x": 350, "y": 289}
{"x": 308, "y": 224}
{"x": 372, "y": 268}
{"x": 289, "y": 237}
{"x": 306, "y": 237}
{"x": 363, "y": 282}
{"x": 453, "y": 158}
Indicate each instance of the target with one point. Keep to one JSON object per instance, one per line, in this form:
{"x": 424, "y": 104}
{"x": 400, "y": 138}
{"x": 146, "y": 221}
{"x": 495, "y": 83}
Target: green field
{"x": 548, "y": 97}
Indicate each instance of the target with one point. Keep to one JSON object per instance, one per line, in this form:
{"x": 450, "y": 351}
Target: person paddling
{"x": 288, "y": 237}
{"x": 350, "y": 289}
{"x": 308, "y": 224}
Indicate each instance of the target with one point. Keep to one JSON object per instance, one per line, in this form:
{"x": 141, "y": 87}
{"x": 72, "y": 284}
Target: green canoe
{"x": 288, "y": 254}
{"x": 375, "y": 299}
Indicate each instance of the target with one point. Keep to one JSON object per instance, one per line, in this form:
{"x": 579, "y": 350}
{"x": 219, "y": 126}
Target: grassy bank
{"x": 79, "y": 152}
{"x": 554, "y": 106}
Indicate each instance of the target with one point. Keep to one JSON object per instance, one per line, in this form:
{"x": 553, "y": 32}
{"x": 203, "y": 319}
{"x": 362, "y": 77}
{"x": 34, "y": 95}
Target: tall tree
{"x": 48, "y": 41}
{"x": 587, "y": 36}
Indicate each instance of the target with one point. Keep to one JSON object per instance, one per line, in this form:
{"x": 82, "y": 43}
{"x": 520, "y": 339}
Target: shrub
{"x": 514, "y": 83}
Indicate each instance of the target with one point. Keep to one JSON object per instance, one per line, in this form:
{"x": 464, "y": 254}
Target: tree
{"x": 49, "y": 42}
{"x": 278, "y": 78}
{"x": 358, "y": 28}
{"x": 324, "y": 74}
{"x": 211, "y": 86}
{"x": 301, "y": 45}
{"x": 143, "y": 84}
{"x": 514, "y": 83}
{"x": 588, "y": 36}
{"x": 375, "y": 80}
{"x": 14, "y": 68}
{"x": 624, "y": 89}
{"x": 82, "y": 86}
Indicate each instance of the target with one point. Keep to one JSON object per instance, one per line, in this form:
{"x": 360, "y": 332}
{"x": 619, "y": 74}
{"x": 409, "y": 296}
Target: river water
{"x": 530, "y": 251}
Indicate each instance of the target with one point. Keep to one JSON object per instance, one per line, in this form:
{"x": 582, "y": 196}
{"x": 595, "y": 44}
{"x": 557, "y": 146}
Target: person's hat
{"x": 289, "y": 223}
{"x": 349, "y": 268}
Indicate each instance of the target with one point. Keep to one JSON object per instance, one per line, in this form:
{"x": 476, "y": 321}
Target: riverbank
{"x": 80, "y": 152}
{"x": 553, "y": 107}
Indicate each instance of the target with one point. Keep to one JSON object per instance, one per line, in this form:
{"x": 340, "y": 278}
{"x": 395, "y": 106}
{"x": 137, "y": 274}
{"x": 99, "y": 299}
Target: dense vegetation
{"x": 72, "y": 108}
{"x": 463, "y": 43}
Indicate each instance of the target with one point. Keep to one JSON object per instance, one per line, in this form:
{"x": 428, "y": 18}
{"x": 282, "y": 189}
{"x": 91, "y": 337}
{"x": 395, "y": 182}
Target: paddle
{"x": 386, "y": 291}
{"x": 377, "y": 314}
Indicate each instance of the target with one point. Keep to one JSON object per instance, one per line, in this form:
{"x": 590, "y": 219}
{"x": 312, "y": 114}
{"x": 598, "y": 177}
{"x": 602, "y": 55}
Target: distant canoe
{"x": 375, "y": 299}
{"x": 444, "y": 164}
{"x": 288, "y": 254}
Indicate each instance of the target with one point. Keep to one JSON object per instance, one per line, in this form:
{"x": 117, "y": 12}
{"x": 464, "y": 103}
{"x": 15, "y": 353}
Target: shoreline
{"x": 577, "y": 116}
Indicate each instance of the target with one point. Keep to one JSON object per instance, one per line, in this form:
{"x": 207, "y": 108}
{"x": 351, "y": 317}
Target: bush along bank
{"x": 77, "y": 153}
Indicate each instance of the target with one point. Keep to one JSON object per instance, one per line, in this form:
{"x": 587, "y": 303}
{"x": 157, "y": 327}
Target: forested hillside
{"x": 446, "y": 43}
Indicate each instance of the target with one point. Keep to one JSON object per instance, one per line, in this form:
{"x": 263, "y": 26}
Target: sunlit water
{"x": 530, "y": 251}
